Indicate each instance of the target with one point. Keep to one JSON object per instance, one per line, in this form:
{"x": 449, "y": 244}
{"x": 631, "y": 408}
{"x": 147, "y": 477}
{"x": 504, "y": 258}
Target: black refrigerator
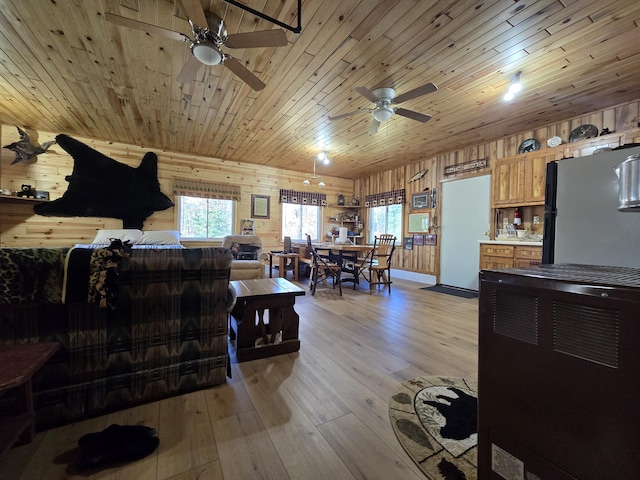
{"x": 582, "y": 224}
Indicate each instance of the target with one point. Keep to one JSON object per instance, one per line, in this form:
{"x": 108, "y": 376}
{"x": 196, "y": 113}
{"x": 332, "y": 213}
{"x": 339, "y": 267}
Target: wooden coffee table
{"x": 258, "y": 336}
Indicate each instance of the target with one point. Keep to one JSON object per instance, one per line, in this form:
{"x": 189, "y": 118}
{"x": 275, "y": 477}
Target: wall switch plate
{"x": 536, "y": 219}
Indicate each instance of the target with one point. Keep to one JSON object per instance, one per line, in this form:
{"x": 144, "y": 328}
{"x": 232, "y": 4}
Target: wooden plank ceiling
{"x": 65, "y": 69}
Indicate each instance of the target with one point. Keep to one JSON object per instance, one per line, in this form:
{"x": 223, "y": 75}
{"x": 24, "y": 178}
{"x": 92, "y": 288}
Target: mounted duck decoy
{"x": 24, "y": 149}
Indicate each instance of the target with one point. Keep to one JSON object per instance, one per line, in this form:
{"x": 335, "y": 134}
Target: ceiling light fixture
{"x": 309, "y": 177}
{"x": 324, "y": 158}
{"x": 383, "y": 113}
{"x": 514, "y": 87}
{"x": 207, "y": 52}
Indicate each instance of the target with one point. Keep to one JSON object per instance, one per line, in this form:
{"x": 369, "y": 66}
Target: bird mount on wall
{"x": 102, "y": 187}
{"x": 25, "y": 150}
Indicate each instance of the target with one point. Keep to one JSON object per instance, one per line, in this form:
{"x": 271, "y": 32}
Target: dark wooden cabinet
{"x": 558, "y": 364}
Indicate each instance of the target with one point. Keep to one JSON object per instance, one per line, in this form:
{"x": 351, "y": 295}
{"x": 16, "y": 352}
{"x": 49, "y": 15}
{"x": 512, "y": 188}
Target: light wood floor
{"x": 318, "y": 414}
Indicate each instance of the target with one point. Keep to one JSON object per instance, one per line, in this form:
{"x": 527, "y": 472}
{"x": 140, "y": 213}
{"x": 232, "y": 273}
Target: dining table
{"x": 348, "y": 255}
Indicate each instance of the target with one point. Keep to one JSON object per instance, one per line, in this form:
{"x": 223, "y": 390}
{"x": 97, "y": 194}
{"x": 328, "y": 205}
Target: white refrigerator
{"x": 582, "y": 221}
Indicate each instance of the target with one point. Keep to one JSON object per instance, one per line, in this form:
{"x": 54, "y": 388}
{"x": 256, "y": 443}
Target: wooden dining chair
{"x": 376, "y": 267}
{"x": 322, "y": 269}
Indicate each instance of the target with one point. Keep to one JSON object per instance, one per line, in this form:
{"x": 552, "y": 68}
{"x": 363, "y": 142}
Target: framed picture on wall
{"x": 408, "y": 243}
{"x": 431, "y": 239}
{"x": 418, "y": 223}
{"x": 418, "y": 240}
{"x": 420, "y": 200}
{"x": 260, "y": 206}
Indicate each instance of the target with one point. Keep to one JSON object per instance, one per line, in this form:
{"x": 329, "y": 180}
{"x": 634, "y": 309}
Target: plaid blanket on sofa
{"x": 167, "y": 335}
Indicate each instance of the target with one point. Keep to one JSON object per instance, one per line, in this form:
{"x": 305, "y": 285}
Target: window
{"x": 205, "y": 218}
{"x": 387, "y": 219}
{"x": 298, "y": 220}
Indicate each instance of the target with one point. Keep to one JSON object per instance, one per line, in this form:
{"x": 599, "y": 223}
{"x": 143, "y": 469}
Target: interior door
{"x": 466, "y": 215}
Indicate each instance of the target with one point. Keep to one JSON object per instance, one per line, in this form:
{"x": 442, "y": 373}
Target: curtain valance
{"x": 303, "y": 198}
{"x": 385, "y": 198}
{"x": 204, "y": 189}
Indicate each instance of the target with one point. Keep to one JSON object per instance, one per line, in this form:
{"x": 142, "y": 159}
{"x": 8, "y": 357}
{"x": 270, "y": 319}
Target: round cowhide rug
{"x": 436, "y": 421}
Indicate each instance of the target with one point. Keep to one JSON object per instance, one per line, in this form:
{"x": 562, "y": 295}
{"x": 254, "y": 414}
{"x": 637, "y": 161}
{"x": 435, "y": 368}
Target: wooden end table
{"x": 282, "y": 260}
{"x": 19, "y": 364}
{"x": 255, "y": 335}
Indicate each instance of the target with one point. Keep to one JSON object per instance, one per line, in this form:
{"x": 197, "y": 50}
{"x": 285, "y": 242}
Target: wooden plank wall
{"x": 19, "y": 226}
{"x": 624, "y": 120}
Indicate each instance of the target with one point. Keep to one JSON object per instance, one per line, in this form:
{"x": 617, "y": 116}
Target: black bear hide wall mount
{"x": 101, "y": 187}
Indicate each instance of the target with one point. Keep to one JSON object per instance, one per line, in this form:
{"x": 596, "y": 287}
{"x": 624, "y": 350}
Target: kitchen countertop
{"x": 513, "y": 242}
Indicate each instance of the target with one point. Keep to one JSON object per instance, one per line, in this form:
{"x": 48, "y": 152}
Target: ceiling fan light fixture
{"x": 206, "y": 52}
{"x": 383, "y": 113}
{"x": 321, "y": 184}
{"x": 306, "y": 182}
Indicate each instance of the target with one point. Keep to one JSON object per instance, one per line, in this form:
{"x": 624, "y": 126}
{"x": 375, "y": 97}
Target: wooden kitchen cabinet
{"x": 499, "y": 255}
{"x": 519, "y": 181}
{"x": 535, "y": 172}
{"x": 495, "y": 255}
{"x": 525, "y": 255}
{"x": 508, "y": 182}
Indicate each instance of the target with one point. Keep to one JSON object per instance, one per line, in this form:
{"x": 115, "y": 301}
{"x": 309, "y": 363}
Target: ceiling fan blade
{"x": 189, "y": 70}
{"x": 368, "y": 94}
{"x": 245, "y": 75}
{"x": 373, "y": 128}
{"x": 415, "y": 93}
{"x": 195, "y": 13}
{"x": 421, "y": 117}
{"x": 264, "y": 38}
{"x": 362, "y": 110}
{"x": 145, "y": 27}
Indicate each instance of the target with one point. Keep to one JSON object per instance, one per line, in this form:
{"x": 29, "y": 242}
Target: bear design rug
{"x": 436, "y": 422}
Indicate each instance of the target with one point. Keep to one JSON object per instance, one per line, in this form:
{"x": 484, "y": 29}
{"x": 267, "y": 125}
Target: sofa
{"x": 162, "y": 330}
{"x": 248, "y": 257}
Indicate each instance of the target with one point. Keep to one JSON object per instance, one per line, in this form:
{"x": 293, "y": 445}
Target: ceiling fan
{"x": 384, "y": 98}
{"x": 209, "y": 36}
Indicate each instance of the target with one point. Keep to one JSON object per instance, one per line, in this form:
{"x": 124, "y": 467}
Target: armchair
{"x": 248, "y": 256}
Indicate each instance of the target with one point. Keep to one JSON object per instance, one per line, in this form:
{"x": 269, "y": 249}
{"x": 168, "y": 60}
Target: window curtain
{"x": 385, "y": 198}
{"x": 303, "y": 198}
{"x": 204, "y": 189}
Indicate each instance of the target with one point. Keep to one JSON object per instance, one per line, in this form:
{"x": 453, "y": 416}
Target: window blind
{"x": 204, "y": 189}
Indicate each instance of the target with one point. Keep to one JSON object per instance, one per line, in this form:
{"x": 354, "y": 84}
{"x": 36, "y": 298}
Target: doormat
{"x": 436, "y": 421}
{"x": 458, "y": 292}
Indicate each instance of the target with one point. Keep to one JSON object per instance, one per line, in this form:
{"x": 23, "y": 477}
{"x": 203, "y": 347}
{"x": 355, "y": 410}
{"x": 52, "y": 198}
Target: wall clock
{"x": 529, "y": 145}
{"x": 582, "y": 132}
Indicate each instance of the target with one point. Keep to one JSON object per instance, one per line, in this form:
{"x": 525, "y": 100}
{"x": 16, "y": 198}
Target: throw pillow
{"x": 248, "y": 252}
{"x": 104, "y": 237}
{"x": 159, "y": 237}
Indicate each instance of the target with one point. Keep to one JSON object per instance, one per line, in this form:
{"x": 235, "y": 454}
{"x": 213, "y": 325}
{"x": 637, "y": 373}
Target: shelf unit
{"x": 16, "y": 199}
{"x": 350, "y": 224}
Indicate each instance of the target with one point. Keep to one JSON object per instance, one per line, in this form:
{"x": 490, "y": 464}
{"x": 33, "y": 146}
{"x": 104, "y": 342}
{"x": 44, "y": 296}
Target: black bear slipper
{"x": 102, "y": 455}
{"x": 115, "y": 434}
